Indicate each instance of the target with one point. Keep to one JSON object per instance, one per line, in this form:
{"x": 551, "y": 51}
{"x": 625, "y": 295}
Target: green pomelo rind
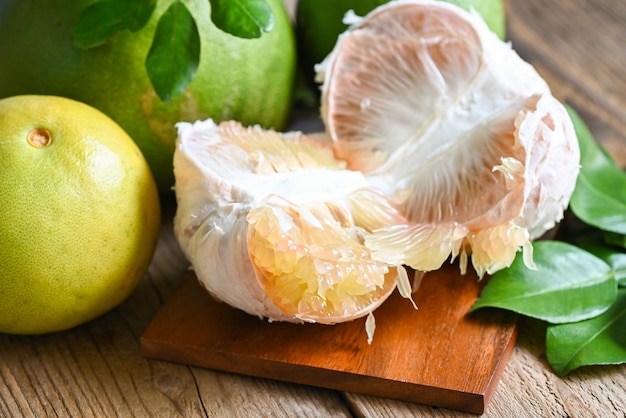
{"x": 247, "y": 80}
{"x": 80, "y": 217}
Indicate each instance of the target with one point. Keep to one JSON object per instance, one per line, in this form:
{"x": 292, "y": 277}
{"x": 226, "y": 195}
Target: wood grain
{"x": 579, "y": 47}
{"x": 97, "y": 369}
{"x": 438, "y": 355}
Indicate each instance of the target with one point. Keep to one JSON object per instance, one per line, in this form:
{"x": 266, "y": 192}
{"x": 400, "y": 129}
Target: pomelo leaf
{"x": 613, "y": 256}
{"x": 616, "y": 239}
{"x": 600, "y": 340}
{"x": 599, "y": 198}
{"x": 568, "y": 285}
{"x": 98, "y": 21}
{"x": 175, "y": 52}
{"x": 242, "y": 18}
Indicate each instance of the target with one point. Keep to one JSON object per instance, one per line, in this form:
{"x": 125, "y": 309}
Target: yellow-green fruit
{"x": 319, "y": 23}
{"x": 79, "y": 214}
{"x": 247, "y": 80}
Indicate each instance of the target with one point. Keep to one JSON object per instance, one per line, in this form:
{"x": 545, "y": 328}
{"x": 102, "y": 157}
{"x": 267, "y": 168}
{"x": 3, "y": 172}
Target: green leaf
{"x": 98, "y": 21}
{"x": 175, "y": 52}
{"x": 242, "y": 18}
{"x": 610, "y": 254}
{"x": 616, "y": 239}
{"x": 568, "y": 285}
{"x": 600, "y": 340}
{"x": 599, "y": 198}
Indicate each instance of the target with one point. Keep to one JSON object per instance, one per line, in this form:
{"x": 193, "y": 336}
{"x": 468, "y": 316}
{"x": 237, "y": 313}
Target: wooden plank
{"x": 527, "y": 389}
{"x": 437, "y": 355}
{"x": 579, "y": 47}
{"x": 96, "y": 370}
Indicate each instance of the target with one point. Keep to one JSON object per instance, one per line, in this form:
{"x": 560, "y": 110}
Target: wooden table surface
{"x": 579, "y": 46}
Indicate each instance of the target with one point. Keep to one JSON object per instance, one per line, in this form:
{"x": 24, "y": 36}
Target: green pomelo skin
{"x": 247, "y": 80}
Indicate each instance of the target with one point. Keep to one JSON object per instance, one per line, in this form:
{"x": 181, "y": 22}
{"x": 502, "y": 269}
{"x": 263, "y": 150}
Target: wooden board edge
{"x": 312, "y": 376}
{"x": 155, "y": 345}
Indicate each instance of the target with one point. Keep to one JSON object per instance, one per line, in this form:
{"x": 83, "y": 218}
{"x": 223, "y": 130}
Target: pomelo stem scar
{"x": 39, "y": 138}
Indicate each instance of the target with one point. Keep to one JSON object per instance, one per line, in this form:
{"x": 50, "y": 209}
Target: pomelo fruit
{"x": 463, "y": 135}
{"x": 80, "y": 214}
{"x": 246, "y": 80}
{"x": 319, "y": 23}
{"x": 274, "y": 225}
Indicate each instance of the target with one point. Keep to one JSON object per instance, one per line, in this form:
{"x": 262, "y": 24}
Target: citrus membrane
{"x": 462, "y": 135}
{"x": 319, "y": 23}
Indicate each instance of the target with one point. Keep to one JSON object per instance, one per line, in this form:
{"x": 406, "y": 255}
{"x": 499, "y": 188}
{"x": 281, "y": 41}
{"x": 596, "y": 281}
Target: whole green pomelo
{"x": 320, "y": 22}
{"x": 80, "y": 214}
{"x": 247, "y": 80}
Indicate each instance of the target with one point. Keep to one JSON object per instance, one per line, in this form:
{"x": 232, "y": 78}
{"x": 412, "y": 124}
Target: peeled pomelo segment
{"x": 424, "y": 247}
{"x": 495, "y": 248}
{"x": 270, "y": 152}
{"x": 368, "y": 208}
{"x": 313, "y": 267}
{"x": 274, "y": 225}
{"x": 460, "y": 133}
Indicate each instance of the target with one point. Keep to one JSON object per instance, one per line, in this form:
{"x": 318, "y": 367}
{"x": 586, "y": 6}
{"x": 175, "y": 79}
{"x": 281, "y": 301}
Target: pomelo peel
{"x": 80, "y": 214}
{"x": 247, "y": 80}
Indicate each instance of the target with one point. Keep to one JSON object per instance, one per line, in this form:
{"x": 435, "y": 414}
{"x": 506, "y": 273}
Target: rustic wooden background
{"x": 97, "y": 370}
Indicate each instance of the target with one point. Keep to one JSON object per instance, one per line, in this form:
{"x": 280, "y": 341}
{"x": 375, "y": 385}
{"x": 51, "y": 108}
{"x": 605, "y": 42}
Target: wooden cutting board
{"x": 437, "y": 355}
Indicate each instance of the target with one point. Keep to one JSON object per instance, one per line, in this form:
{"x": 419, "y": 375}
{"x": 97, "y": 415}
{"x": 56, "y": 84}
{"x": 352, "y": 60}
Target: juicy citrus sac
{"x": 247, "y": 80}
{"x": 79, "y": 214}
